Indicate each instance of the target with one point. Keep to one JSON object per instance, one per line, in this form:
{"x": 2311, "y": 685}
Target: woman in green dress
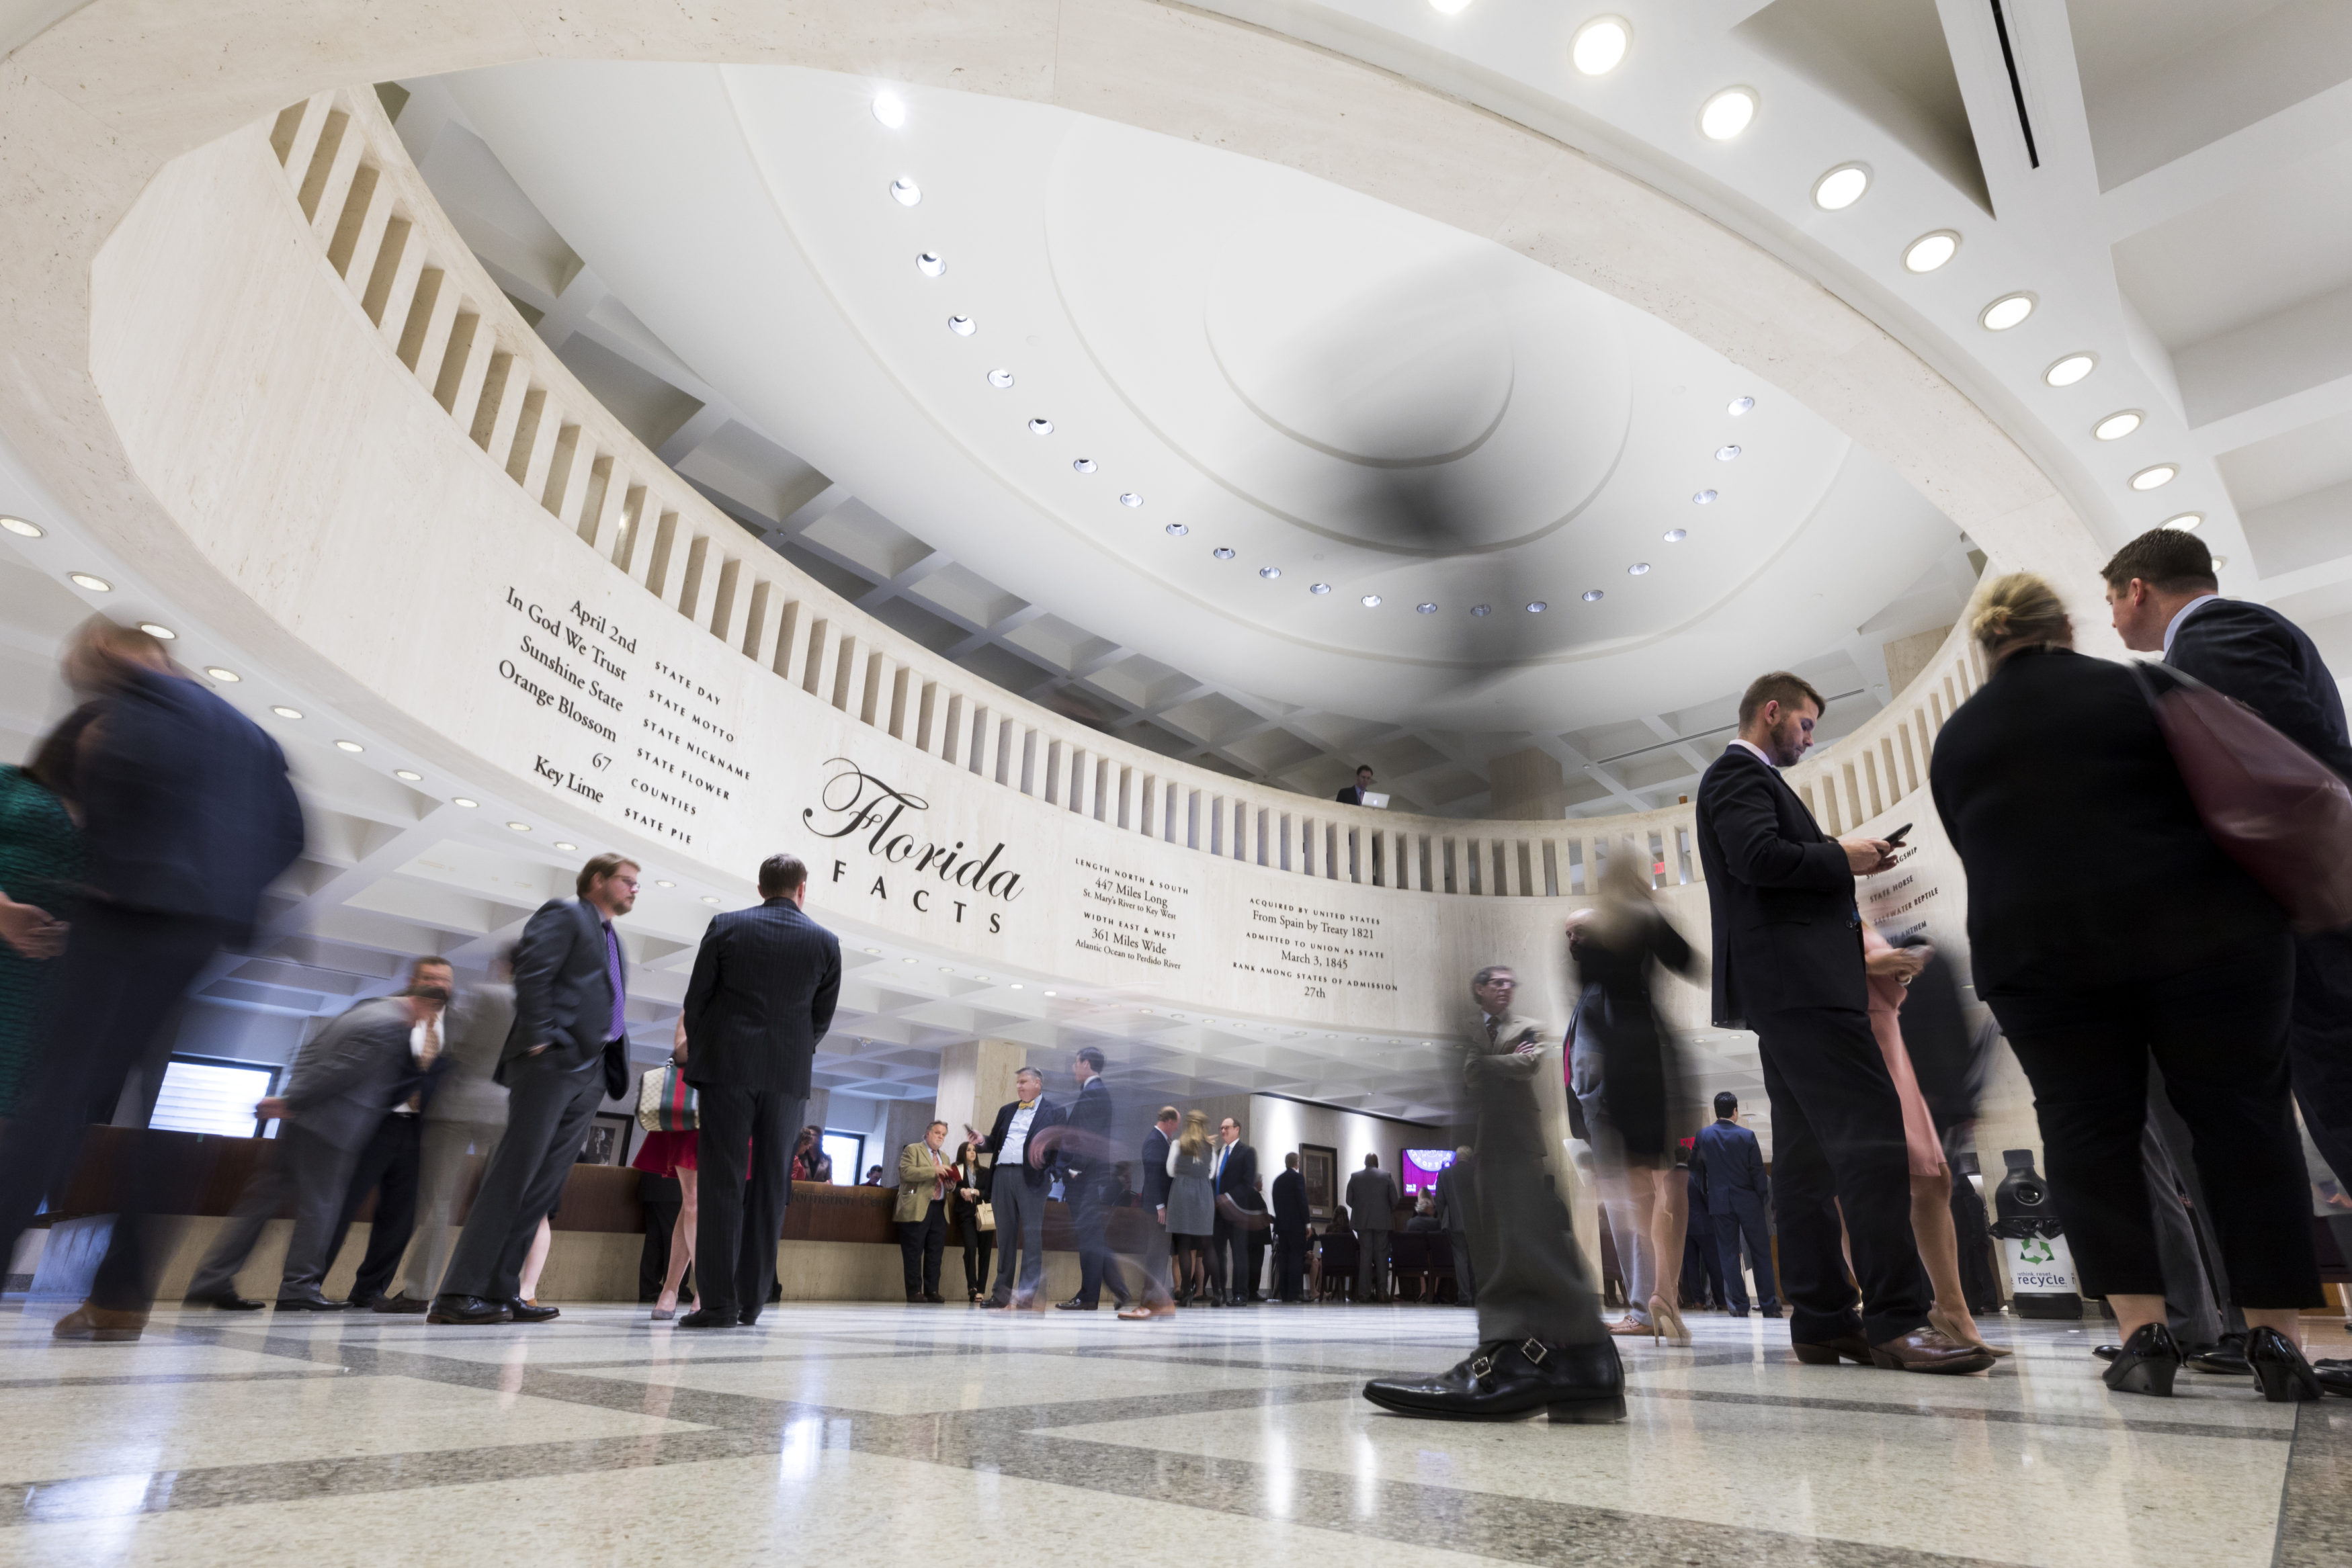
{"x": 40, "y": 868}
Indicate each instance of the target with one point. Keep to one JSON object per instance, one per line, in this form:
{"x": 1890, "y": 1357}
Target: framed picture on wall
{"x": 608, "y": 1140}
{"x": 1319, "y": 1165}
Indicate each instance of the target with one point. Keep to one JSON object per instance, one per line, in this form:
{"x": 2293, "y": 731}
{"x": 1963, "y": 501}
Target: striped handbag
{"x": 666, "y": 1100}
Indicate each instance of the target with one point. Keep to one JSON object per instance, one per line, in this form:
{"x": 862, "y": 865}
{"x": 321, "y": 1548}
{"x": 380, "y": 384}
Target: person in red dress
{"x": 665, "y": 1155}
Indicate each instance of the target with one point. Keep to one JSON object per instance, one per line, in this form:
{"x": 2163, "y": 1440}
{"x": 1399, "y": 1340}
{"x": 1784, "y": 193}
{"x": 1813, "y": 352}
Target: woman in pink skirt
{"x": 668, "y": 1154}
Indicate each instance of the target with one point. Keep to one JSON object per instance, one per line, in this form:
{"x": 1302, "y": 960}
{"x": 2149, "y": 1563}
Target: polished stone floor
{"x": 853, "y": 1435}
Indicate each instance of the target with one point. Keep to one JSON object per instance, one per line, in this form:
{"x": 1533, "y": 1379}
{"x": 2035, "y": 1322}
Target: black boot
{"x": 2145, "y": 1363}
{"x": 1507, "y": 1380}
{"x": 2280, "y": 1368}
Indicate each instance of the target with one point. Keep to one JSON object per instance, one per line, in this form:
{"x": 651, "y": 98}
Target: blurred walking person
{"x": 391, "y": 1165}
{"x": 40, "y": 872}
{"x": 1017, "y": 1190}
{"x": 1458, "y": 1207}
{"x": 465, "y": 1115}
{"x": 187, "y": 816}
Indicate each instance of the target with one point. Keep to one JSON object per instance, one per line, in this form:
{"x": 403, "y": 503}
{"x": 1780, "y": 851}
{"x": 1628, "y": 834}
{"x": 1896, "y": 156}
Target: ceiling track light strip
{"x": 2016, "y": 88}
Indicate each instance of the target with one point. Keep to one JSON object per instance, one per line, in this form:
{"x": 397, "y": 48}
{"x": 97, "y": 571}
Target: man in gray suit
{"x": 465, "y": 1115}
{"x": 343, "y": 1084}
{"x": 1456, "y": 1198}
{"x": 1372, "y": 1199}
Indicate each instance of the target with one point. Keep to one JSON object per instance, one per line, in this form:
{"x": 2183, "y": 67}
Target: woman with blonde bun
{"x": 2107, "y": 929}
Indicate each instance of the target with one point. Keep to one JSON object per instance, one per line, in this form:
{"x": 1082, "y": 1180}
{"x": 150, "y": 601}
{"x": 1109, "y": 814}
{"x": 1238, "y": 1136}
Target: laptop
{"x": 1377, "y": 802}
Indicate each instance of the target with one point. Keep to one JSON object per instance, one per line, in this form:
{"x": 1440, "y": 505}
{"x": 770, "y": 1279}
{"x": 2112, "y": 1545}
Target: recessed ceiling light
{"x": 160, "y": 632}
{"x": 21, "y": 529}
{"x": 84, "y": 579}
{"x": 1727, "y": 114}
{"x": 1318, "y": 587}
{"x": 409, "y": 775}
{"x": 1424, "y": 607}
{"x": 353, "y": 746}
{"x": 566, "y": 848}
{"x": 282, "y": 711}
{"x": 1130, "y": 499}
{"x": 1538, "y": 607}
{"x": 708, "y": 898}
{"x": 662, "y": 881}
{"x": 1599, "y": 44}
{"x": 1929, "y": 251}
{"x": 890, "y": 109}
{"x": 1084, "y": 465}
{"x": 2156, "y": 476}
{"x": 905, "y": 192}
{"x": 1702, "y": 499}
{"x": 1676, "y": 535}
{"x": 520, "y": 827}
{"x": 1052, "y": 993}
{"x": 2005, "y": 312}
{"x": 999, "y": 378}
{"x": 962, "y": 326}
{"x": 1041, "y": 427}
{"x": 2219, "y": 561}
{"x": 1371, "y": 601}
{"x": 1594, "y": 596}
{"x": 1841, "y": 188}
{"x": 1178, "y": 530}
{"x": 2115, "y": 426}
{"x": 1449, "y": 7}
{"x": 906, "y": 960}
{"x": 1726, "y": 454}
{"x": 1269, "y": 572}
{"x": 931, "y": 264}
{"x": 2071, "y": 369}
{"x": 2185, "y": 521}
{"x": 876, "y": 952}
{"x": 461, "y": 801}
{"x": 216, "y": 673}
{"x": 1223, "y": 552}
{"x": 1482, "y": 610}
{"x": 1639, "y": 569}
{"x": 1738, "y": 406}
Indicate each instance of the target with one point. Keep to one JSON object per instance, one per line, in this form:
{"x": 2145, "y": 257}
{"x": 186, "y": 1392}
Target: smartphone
{"x": 1895, "y": 838}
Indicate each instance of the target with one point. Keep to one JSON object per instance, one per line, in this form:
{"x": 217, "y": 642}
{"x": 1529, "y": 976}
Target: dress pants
{"x": 441, "y": 1160}
{"x": 1290, "y": 1265}
{"x": 1371, "y": 1265}
{"x": 1532, "y": 1279}
{"x": 1837, "y": 1144}
{"x": 2319, "y": 1043}
{"x": 123, "y": 973}
{"x": 2219, "y": 1033}
{"x": 1020, "y": 1234}
{"x": 745, "y": 1137}
{"x": 978, "y": 1247}
{"x": 548, "y": 1113}
{"x": 1090, "y": 1197}
{"x": 389, "y": 1166}
{"x": 2192, "y": 1310}
{"x": 1229, "y": 1259}
{"x": 1746, "y": 1219}
{"x": 1256, "y": 1244}
{"x": 1465, "y": 1275}
{"x": 317, "y": 1174}
{"x": 920, "y": 1244}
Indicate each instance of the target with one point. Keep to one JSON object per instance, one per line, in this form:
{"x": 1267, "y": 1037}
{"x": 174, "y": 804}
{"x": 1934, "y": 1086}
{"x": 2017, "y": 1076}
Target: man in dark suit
{"x": 1018, "y": 1191}
{"x": 186, "y": 816}
{"x": 1232, "y": 1174}
{"x": 1372, "y": 1200}
{"x": 392, "y": 1165}
{"x": 569, "y": 1050}
{"x": 2166, "y": 598}
{"x": 1291, "y": 1235}
{"x": 1354, "y": 794}
{"x": 765, "y": 985}
{"x": 342, "y": 1085}
{"x": 1153, "y": 1158}
{"x": 1079, "y": 1141}
{"x": 1788, "y": 965}
{"x": 1737, "y": 1192}
{"x": 1456, "y": 1194}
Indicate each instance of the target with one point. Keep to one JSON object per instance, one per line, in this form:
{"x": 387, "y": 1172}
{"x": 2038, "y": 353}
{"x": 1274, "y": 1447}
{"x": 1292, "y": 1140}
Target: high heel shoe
{"x": 1949, "y": 1329}
{"x": 1667, "y": 1318}
{"x": 2286, "y": 1378}
{"x": 2147, "y": 1363}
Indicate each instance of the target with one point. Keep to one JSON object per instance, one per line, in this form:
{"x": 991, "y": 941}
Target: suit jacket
{"x": 1735, "y": 1163}
{"x": 346, "y": 1082}
{"x": 1455, "y": 1191}
{"x": 1238, "y": 1178}
{"x": 2055, "y": 751}
{"x": 1088, "y": 1116}
{"x": 1780, "y": 896}
{"x": 765, "y": 981}
{"x": 2257, "y": 655}
{"x": 1372, "y": 1200}
{"x": 1290, "y": 1216}
{"x": 186, "y": 807}
{"x": 470, "y": 1047}
{"x": 564, "y": 994}
{"x": 1350, "y": 795}
{"x": 916, "y": 1165}
{"x": 1046, "y": 1116}
{"x": 1153, "y": 1158}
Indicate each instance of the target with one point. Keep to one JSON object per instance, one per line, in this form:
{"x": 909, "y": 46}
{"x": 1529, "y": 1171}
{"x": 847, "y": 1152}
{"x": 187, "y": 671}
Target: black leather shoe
{"x": 226, "y": 1302}
{"x": 709, "y": 1318}
{"x": 747, "y": 1319}
{"x": 1829, "y": 1353}
{"x": 2335, "y": 1376}
{"x": 2106, "y": 1351}
{"x": 2228, "y": 1357}
{"x": 311, "y": 1304}
{"x": 1506, "y": 1381}
{"x": 2145, "y": 1363}
{"x": 465, "y": 1310}
{"x": 522, "y": 1312}
{"x": 2286, "y": 1378}
{"x": 1074, "y": 1305}
{"x": 933, "y": 1299}
{"x": 399, "y": 1303}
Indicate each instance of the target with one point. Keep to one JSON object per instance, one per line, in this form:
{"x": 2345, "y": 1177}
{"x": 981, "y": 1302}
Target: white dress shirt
{"x": 1016, "y": 1135}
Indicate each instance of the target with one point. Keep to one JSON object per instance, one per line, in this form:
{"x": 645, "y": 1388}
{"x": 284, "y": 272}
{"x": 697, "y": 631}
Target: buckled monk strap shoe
{"x": 1508, "y": 1381}
{"x": 465, "y": 1309}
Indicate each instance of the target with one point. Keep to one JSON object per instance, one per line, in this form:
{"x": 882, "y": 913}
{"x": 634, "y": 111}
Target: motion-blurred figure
{"x": 1541, "y": 1345}
{"x": 40, "y": 869}
{"x": 392, "y": 1165}
{"x": 1079, "y": 1139}
{"x": 1017, "y": 1189}
{"x": 187, "y": 817}
{"x": 465, "y": 1115}
{"x": 1457, "y": 1212}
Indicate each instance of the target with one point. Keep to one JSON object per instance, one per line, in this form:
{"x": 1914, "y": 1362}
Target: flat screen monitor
{"x": 1422, "y": 1167}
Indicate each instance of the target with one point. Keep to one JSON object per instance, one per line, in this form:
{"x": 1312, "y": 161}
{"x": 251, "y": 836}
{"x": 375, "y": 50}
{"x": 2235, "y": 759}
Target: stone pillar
{"x": 1526, "y": 785}
{"x": 975, "y": 1079}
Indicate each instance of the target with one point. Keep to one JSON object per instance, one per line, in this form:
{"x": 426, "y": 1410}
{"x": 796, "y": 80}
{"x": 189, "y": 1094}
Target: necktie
{"x": 426, "y": 1053}
{"x": 1493, "y": 1024}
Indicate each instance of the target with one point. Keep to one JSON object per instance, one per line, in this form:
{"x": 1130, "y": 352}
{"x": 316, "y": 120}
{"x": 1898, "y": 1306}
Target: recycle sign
{"x": 2035, "y": 1249}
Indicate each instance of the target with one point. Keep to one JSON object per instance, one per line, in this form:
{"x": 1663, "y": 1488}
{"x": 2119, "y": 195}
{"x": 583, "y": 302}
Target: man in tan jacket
{"x": 1541, "y": 1344}
{"x": 924, "y": 1180}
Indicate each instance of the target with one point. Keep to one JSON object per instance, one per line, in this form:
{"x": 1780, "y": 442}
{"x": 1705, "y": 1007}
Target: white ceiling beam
{"x": 2229, "y": 164}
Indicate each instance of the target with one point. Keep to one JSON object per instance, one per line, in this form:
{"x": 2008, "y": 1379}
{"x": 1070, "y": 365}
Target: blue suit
{"x": 1737, "y": 1193}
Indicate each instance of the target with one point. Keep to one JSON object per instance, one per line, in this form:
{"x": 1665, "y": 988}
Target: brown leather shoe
{"x": 103, "y": 1324}
{"x": 1926, "y": 1350}
{"x": 1850, "y": 1347}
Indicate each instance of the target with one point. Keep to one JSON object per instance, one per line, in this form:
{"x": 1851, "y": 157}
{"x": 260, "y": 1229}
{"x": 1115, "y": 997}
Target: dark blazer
{"x": 1088, "y": 1116}
{"x": 765, "y": 981}
{"x": 563, "y": 991}
{"x": 1350, "y": 795}
{"x": 1290, "y": 1216}
{"x": 1456, "y": 1190}
{"x": 346, "y": 1082}
{"x": 185, "y": 803}
{"x": 1734, "y": 1164}
{"x": 1780, "y": 896}
{"x": 2257, "y": 655}
{"x": 1047, "y": 1116}
{"x": 1238, "y": 1180}
{"x": 2056, "y": 758}
{"x": 1153, "y": 1158}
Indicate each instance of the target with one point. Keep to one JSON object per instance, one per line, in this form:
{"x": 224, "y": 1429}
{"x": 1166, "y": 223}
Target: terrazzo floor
{"x": 861, "y": 1434}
